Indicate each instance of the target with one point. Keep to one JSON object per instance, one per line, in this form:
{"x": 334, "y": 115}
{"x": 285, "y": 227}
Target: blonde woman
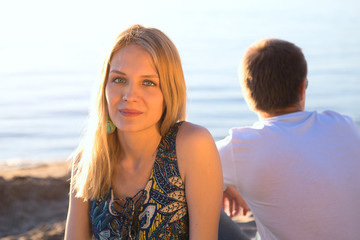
{"x": 142, "y": 172}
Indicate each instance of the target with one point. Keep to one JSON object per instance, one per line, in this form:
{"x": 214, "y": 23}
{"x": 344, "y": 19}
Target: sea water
{"x": 51, "y": 56}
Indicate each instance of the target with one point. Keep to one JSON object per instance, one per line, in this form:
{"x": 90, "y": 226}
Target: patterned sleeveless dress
{"x": 159, "y": 211}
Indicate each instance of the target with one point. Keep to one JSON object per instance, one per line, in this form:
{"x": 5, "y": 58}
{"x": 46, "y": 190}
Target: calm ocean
{"x": 51, "y": 55}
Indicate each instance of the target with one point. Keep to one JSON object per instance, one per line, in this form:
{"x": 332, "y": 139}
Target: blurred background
{"x": 51, "y": 54}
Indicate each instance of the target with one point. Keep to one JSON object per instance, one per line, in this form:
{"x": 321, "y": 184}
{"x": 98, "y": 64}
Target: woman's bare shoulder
{"x": 192, "y": 132}
{"x": 193, "y": 139}
{"x": 196, "y": 151}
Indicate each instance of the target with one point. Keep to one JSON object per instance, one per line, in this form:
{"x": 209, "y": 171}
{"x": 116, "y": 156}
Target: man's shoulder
{"x": 238, "y": 135}
{"x": 335, "y": 117}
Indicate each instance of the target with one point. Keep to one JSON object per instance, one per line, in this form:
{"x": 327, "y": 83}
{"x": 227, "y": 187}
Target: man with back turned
{"x": 297, "y": 170}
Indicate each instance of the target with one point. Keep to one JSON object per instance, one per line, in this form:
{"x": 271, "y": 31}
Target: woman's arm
{"x": 200, "y": 167}
{"x": 78, "y": 219}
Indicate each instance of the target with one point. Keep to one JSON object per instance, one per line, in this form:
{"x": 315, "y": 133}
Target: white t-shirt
{"x": 299, "y": 174}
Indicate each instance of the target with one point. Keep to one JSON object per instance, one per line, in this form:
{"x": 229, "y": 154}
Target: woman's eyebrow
{"x": 142, "y": 76}
{"x": 150, "y": 76}
{"x": 117, "y": 71}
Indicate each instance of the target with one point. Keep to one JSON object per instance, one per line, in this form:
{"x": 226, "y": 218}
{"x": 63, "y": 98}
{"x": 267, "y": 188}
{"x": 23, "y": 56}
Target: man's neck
{"x": 278, "y": 112}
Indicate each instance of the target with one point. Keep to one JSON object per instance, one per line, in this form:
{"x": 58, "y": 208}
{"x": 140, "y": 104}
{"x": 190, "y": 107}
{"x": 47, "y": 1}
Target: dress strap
{"x": 168, "y": 142}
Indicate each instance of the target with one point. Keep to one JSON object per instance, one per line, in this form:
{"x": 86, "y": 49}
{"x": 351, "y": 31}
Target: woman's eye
{"x": 119, "y": 80}
{"x": 149, "y": 83}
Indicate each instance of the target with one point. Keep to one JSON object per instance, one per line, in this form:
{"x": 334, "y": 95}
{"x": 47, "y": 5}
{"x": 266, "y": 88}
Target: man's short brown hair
{"x": 272, "y": 72}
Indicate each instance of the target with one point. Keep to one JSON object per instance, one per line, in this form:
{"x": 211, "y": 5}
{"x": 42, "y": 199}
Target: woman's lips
{"x": 130, "y": 112}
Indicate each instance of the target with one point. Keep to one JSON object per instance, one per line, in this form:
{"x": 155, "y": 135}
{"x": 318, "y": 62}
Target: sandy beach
{"x": 34, "y": 202}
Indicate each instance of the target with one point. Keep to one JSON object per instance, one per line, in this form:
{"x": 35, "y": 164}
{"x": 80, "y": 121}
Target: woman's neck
{"x": 137, "y": 147}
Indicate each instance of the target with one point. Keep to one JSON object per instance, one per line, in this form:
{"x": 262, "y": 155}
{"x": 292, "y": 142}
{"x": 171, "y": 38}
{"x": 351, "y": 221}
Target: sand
{"x": 34, "y": 203}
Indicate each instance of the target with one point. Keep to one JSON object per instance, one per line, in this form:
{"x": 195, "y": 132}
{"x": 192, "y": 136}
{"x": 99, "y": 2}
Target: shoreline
{"x": 34, "y": 202}
{"x": 55, "y": 169}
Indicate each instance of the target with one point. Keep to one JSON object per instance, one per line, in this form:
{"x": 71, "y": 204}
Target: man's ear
{"x": 302, "y": 90}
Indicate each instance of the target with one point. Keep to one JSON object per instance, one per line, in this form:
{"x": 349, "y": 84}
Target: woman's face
{"x": 133, "y": 93}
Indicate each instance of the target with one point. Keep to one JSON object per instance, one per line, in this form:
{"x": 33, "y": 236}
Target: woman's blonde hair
{"x": 94, "y": 161}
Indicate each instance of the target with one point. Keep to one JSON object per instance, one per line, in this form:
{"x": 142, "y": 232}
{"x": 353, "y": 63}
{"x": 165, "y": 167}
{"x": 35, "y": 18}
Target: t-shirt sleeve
{"x": 227, "y": 161}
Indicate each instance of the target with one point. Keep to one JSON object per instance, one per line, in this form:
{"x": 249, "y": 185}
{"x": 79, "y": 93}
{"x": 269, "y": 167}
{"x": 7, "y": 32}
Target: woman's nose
{"x": 130, "y": 93}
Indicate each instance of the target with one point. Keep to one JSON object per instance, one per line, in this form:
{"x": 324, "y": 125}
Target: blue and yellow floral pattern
{"x": 159, "y": 211}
